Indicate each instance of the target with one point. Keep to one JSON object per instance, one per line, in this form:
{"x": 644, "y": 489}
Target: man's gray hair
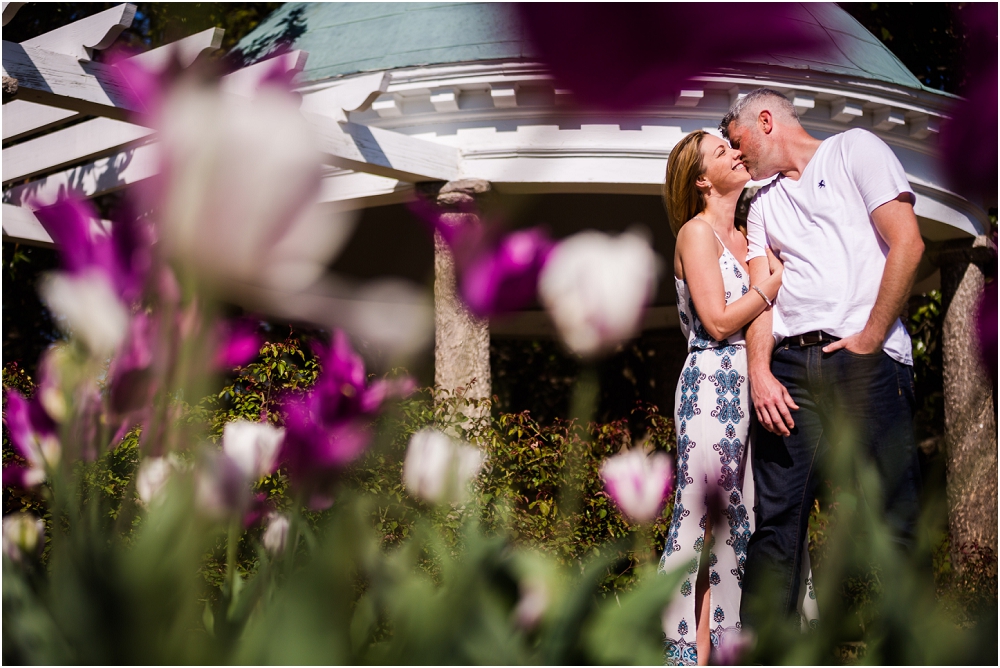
{"x": 748, "y": 104}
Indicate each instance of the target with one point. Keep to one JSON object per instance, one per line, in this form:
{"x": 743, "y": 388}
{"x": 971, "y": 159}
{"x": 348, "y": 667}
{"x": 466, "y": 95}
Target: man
{"x": 840, "y": 216}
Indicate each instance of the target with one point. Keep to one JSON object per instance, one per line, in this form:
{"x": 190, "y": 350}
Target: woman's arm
{"x": 699, "y": 258}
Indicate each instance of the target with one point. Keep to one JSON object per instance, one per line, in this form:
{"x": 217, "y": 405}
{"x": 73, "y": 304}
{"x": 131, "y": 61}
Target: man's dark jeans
{"x": 865, "y": 398}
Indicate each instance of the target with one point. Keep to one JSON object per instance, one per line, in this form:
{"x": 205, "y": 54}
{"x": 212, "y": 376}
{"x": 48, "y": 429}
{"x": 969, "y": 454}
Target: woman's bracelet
{"x": 762, "y": 295}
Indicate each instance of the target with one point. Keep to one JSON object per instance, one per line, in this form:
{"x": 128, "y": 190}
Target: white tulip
{"x": 276, "y": 534}
{"x": 253, "y": 446}
{"x": 23, "y": 535}
{"x": 438, "y": 469}
{"x": 237, "y": 192}
{"x": 596, "y": 286}
{"x": 638, "y": 483}
{"x": 152, "y": 478}
{"x": 90, "y": 308}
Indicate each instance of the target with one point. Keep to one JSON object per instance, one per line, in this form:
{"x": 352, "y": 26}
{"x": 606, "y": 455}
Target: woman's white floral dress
{"x": 713, "y": 419}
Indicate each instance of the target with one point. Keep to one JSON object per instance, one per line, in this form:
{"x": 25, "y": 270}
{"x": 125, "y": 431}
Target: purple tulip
{"x": 123, "y": 257}
{"x": 619, "y": 56}
{"x": 240, "y": 343}
{"x": 33, "y": 435}
{"x": 328, "y": 428}
{"x": 131, "y": 373}
{"x": 733, "y": 647}
{"x": 969, "y": 139}
{"x": 495, "y": 274}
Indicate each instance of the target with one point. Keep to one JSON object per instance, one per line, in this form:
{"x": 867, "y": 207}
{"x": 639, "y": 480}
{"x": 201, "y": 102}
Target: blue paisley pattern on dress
{"x": 712, "y": 429}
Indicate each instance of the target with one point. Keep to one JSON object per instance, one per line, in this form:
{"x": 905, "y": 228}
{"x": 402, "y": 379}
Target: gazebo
{"x": 452, "y": 97}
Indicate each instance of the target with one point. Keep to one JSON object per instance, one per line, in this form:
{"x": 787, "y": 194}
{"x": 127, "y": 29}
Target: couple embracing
{"x": 796, "y": 324}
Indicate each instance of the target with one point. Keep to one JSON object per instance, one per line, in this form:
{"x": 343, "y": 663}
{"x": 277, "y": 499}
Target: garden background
{"x": 533, "y": 384}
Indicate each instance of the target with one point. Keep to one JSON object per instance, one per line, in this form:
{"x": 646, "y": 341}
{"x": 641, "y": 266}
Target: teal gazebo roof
{"x": 348, "y": 38}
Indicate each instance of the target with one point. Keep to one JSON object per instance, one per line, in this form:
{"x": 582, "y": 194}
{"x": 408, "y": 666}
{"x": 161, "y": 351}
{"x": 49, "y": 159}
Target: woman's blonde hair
{"x": 681, "y": 196}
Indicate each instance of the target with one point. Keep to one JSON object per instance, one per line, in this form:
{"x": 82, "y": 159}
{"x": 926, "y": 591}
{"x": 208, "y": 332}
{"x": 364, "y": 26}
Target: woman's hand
{"x": 775, "y": 265}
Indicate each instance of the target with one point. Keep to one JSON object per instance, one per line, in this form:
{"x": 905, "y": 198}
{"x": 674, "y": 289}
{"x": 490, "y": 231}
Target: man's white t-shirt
{"x": 820, "y": 226}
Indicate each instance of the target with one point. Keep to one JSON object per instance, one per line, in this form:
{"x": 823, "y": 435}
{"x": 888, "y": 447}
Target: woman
{"x": 715, "y": 301}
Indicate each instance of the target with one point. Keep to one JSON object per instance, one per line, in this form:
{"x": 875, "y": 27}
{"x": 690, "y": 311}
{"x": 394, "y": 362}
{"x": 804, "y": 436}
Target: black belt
{"x": 809, "y": 339}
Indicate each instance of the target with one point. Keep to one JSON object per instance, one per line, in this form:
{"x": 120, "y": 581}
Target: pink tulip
{"x": 638, "y": 483}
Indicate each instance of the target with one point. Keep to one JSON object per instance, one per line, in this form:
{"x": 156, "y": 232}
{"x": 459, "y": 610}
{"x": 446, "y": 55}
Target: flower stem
{"x": 582, "y": 408}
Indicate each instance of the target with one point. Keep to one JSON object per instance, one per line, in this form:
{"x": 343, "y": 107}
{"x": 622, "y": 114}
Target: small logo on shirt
{"x": 822, "y": 183}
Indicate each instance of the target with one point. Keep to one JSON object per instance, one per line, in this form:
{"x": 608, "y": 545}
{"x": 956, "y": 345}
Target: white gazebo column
{"x": 461, "y": 341}
{"x": 969, "y": 419}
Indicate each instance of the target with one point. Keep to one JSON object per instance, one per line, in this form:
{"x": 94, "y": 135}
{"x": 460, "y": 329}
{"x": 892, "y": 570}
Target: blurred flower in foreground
{"x": 23, "y": 536}
{"x": 732, "y": 648}
{"x": 131, "y": 381}
{"x": 103, "y": 273}
{"x": 596, "y": 286}
{"x": 969, "y": 139}
{"x": 328, "y": 428}
{"x": 494, "y": 273}
{"x": 90, "y": 308}
{"x": 33, "y": 435}
{"x": 222, "y": 488}
{"x": 236, "y": 191}
{"x": 638, "y": 483}
{"x": 152, "y": 477}
{"x": 623, "y": 55}
{"x": 276, "y": 534}
{"x": 238, "y": 344}
{"x": 437, "y": 469}
{"x": 253, "y": 446}
{"x": 534, "y": 601}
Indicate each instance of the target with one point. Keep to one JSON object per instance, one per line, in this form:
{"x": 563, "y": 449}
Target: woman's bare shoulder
{"x": 695, "y": 231}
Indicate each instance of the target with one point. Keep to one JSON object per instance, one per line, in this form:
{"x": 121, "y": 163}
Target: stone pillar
{"x": 461, "y": 342}
{"x": 969, "y": 418}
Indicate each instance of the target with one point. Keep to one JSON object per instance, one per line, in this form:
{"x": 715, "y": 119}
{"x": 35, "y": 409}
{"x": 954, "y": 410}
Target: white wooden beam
{"x": 95, "y": 178}
{"x": 21, "y": 118}
{"x": 62, "y": 81}
{"x": 10, "y": 9}
{"x": 186, "y": 51}
{"x": 346, "y": 190}
{"x": 384, "y": 152}
{"x": 354, "y": 94}
{"x": 81, "y": 38}
{"x": 20, "y": 225}
{"x": 102, "y": 135}
{"x": 64, "y": 147}
{"x": 248, "y": 80}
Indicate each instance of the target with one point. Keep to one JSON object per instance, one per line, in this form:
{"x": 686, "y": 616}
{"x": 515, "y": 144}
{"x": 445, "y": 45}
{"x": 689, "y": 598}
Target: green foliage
{"x": 155, "y": 23}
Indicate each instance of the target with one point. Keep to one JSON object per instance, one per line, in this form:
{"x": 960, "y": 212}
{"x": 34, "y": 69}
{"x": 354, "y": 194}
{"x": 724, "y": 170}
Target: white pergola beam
{"x": 21, "y": 226}
{"x": 81, "y": 38}
{"x": 58, "y": 80}
{"x": 384, "y": 152}
{"x": 22, "y": 118}
{"x": 95, "y": 178}
{"x": 64, "y": 147}
{"x": 186, "y": 51}
{"x": 354, "y": 94}
{"x": 248, "y": 80}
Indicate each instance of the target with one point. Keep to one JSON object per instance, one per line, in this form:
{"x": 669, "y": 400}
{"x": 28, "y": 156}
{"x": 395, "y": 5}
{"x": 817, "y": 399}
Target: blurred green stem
{"x": 582, "y": 408}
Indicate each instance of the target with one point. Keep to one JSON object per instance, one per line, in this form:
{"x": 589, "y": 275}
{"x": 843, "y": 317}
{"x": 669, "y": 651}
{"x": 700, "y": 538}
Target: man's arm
{"x": 771, "y": 400}
{"x": 897, "y": 225}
